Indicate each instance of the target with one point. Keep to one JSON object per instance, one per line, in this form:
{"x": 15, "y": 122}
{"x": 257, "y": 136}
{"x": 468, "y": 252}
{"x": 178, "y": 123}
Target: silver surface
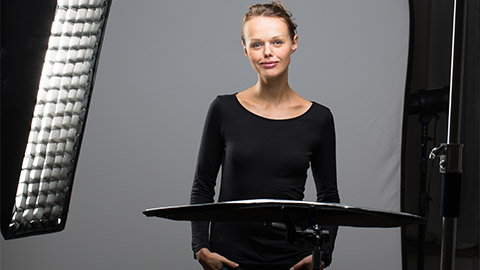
{"x": 301, "y": 212}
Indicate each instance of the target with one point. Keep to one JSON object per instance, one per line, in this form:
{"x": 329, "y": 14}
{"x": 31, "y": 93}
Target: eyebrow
{"x": 275, "y": 37}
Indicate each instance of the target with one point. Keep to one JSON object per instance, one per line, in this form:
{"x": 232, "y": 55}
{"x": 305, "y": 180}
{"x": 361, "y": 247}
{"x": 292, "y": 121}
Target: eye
{"x": 256, "y": 45}
{"x": 278, "y": 42}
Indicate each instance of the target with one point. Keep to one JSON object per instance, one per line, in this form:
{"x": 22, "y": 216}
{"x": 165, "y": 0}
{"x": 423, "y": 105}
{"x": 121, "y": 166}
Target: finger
{"x": 301, "y": 264}
{"x": 304, "y": 263}
{"x": 229, "y": 263}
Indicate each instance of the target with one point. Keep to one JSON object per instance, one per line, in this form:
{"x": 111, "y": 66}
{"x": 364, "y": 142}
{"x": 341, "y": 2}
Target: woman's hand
{"x": 306, "y": 263}
{"x": 213, "y": 261}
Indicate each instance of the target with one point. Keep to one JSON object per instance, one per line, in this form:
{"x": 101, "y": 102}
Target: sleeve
{"x": 208, "y": 163}
{"x": 325, "y": 175}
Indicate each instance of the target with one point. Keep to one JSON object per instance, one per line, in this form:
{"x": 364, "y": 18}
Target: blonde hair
{"x": 275, "y": 9}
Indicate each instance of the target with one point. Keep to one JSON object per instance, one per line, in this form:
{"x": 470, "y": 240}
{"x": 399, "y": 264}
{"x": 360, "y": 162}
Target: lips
{"x": 269, "y": 64}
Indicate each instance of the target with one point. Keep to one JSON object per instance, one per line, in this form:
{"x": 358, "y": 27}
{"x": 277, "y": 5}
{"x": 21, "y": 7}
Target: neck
{"x": 273, "y": 90}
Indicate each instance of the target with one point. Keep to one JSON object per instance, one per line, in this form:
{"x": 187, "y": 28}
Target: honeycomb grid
{"x": 52, "y": 149}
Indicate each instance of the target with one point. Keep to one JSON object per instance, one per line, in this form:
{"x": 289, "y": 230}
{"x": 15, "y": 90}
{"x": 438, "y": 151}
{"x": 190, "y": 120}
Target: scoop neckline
{"x": 271, "y": 119}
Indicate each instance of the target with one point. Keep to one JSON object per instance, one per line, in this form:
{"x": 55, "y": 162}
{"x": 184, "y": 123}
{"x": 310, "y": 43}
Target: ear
{"x": 244, "y": 49}
{"x": 294, "y": 43}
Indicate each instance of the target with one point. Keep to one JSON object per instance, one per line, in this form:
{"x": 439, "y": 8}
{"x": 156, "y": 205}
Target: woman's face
{"x": 268, "y": 45}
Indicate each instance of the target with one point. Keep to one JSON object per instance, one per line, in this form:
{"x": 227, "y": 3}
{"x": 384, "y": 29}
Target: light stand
{"x": 426, "y": 103}
{"x": 424, "y": 196}
{"x": 451, "y": 153}
{"x": 314, "y": 235}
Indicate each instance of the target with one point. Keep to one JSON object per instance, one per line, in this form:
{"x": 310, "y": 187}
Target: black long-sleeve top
{"x": 262, "y": 158}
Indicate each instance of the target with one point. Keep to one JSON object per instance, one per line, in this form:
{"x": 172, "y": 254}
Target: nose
{"x": 267, "y": 51}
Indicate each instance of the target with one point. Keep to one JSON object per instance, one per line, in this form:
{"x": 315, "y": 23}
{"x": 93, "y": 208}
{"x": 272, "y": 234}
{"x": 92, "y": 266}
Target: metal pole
{"x": 451, "y": 152}
{"x": 449, "y": 239}
{"x": 423, "y": 199}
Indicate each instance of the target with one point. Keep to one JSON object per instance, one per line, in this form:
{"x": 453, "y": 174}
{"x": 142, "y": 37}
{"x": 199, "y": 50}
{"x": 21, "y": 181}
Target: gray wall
{"x": 162, "y": 63}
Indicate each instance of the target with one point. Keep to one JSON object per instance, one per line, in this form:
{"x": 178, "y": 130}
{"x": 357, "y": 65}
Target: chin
{"x": 271, "y": 74}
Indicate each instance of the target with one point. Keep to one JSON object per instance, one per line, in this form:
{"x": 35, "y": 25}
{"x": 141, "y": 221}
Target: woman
{"x": 264, "y": 138}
